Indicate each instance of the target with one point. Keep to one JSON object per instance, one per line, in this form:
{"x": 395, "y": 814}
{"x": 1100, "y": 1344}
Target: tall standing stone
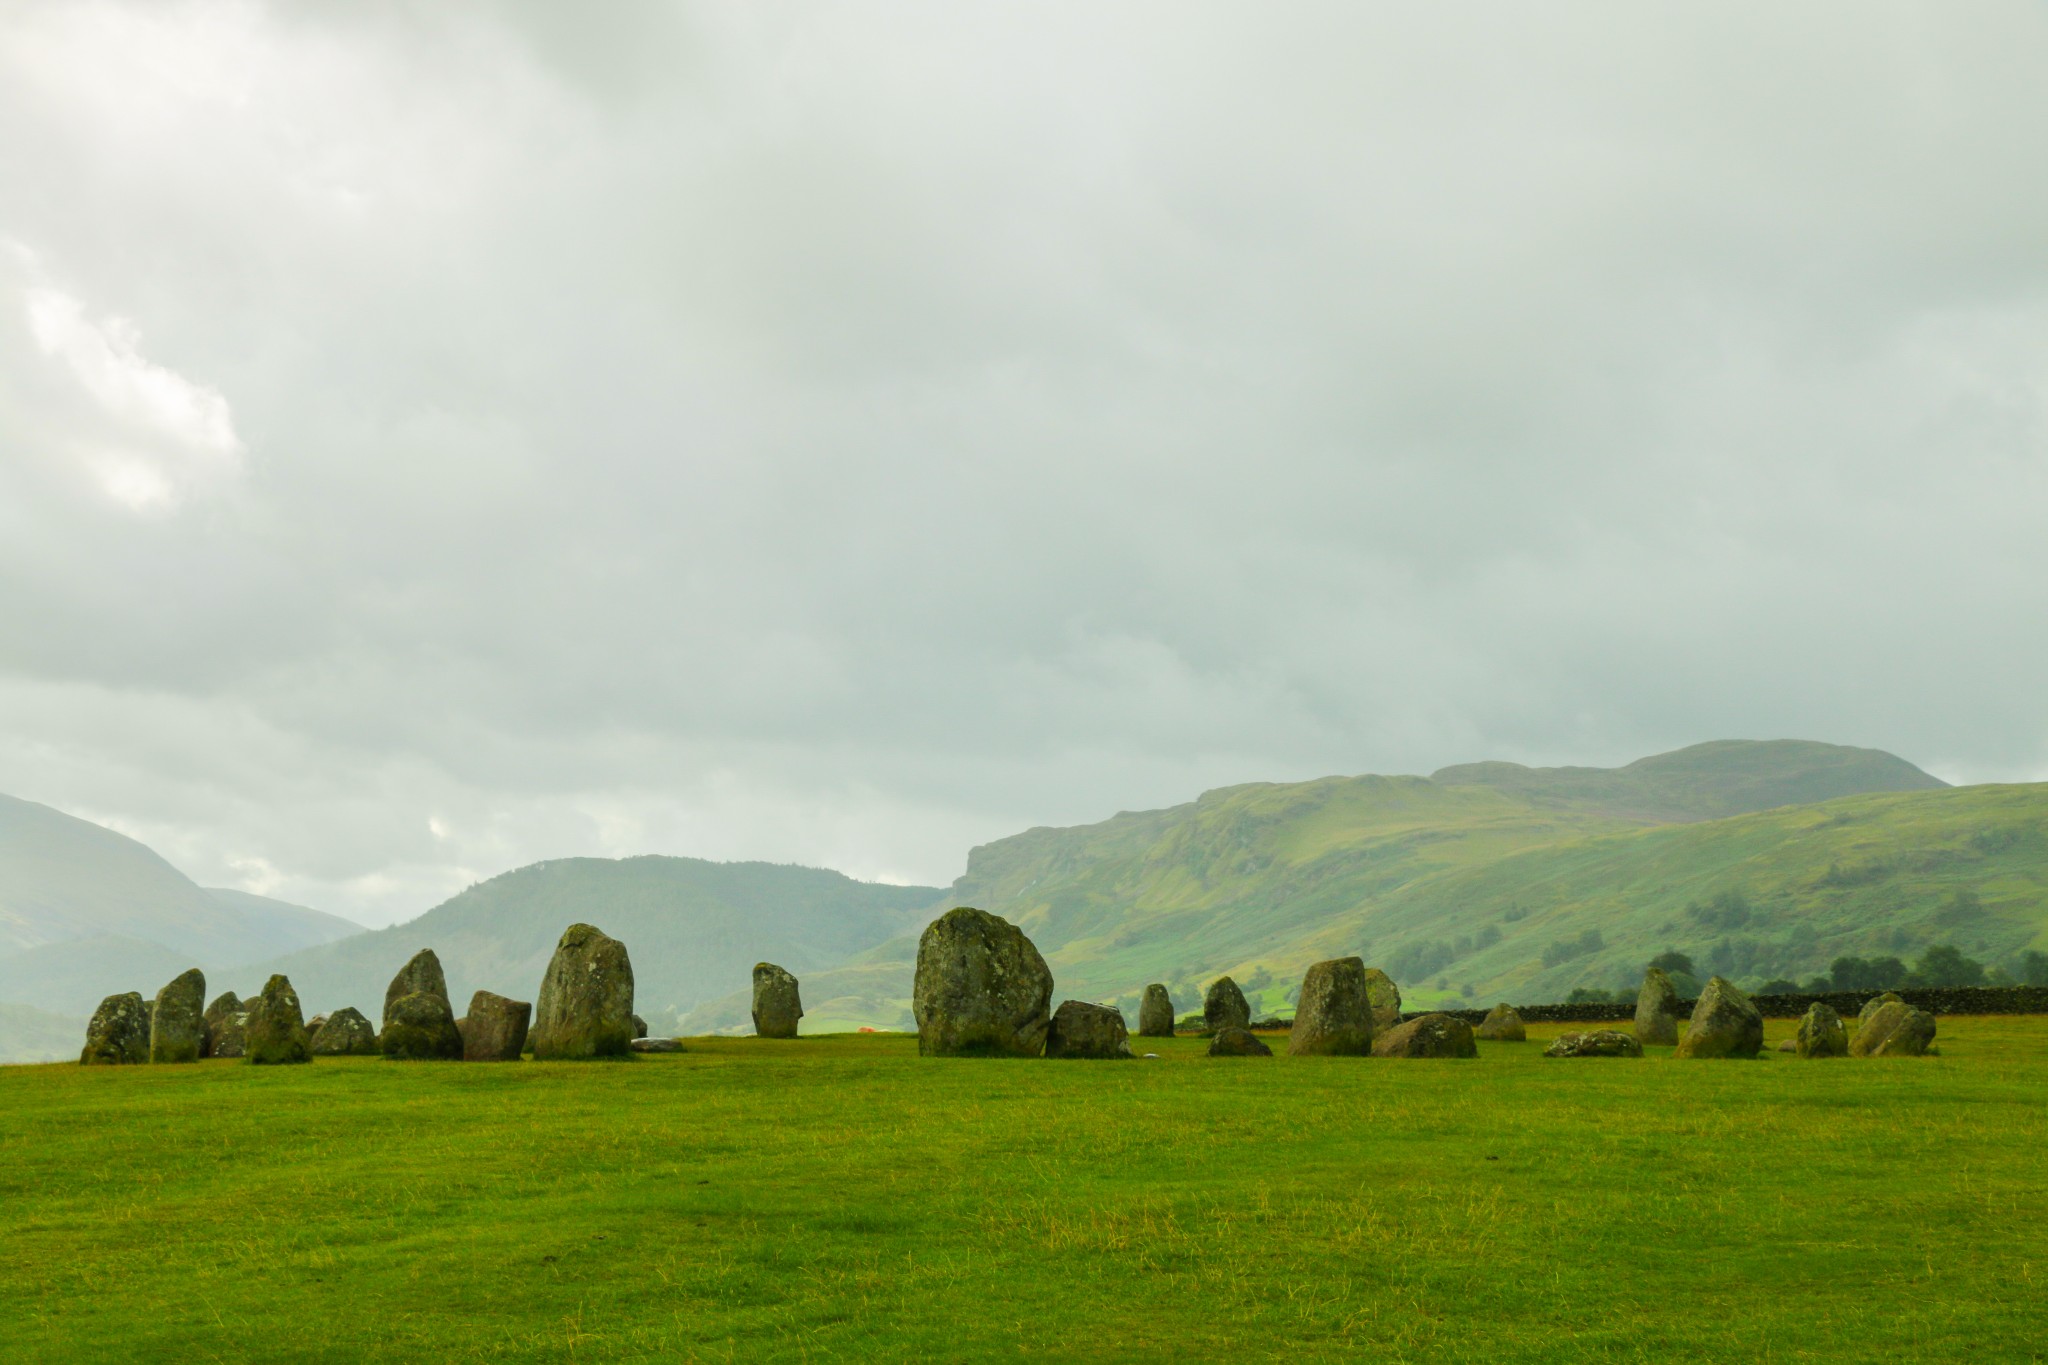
{"x": 1894, "y": 1029}
{"x": 276, "y": 1033}
{"x": 177, "y": 1028}
{"x": 1502, "y": 1025}
{"x": 1657, "y": 1009}
{"x": 494, "y": 1030}
{"x": 1155, "y": 1013}
{"x": 1386, "y": 1000}
{"x": 1333, "y": 1016}
{"x": 981, "y": 988}
{"x": 586, "y": 999}
{"x": 1724, "y": 1024}
{"x": 344, "y": 1033}
{"x": 1821, "y": 1033}
{"x": 777, "y": 1004}
{"x": 119, "y": 1032}
{"x": 1079, "y": 1029}
{"x": 227, "y": 1022}
{"x": 1223, "y": 1006}
{"x": 420, "y": 1028}
{"x": 421, "y": 975}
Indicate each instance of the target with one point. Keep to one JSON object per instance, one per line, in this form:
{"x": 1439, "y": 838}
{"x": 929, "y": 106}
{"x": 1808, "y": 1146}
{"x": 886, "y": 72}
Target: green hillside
{"x": 1473, "y": 876}
{"x": 694, "y": 929}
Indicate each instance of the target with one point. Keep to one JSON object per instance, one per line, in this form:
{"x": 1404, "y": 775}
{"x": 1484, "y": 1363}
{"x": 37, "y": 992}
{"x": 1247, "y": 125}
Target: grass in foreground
{"x": 841, "y": 1198}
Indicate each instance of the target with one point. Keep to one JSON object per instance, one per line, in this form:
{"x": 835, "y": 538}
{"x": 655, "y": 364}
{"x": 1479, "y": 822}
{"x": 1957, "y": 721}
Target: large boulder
{"x": 586, "y": 999}
{"x": 276, "y": 1034}
{"x": 1599, "y": 1042}
{"x": 1224, "y": 1006}
{"x": 1894, "y": 1029}
{"x": 344, "y": 1033}
{"x": 177, "y": 1027}
{"x": 981, "y": 988}
{"x": 227, "y": 1022}
{"x": 494, "y": 1030}
{"x": 1821, "y": 1033}
{"x": 1874, "y": 1004}
{"x": 1502, "y": 1025}
{"x": 1079, "y": 1029}
{"x": 1155, "y": 1013}
{"x": 1386, "y": 1000}
{"x": 1430, "y": 1035}
{"x": 1333, "y": 1016}
{"x": 1657, "y": 1009}
{"x": 422, "y": 975}
{"x": 420, "y": 1028}
{"x": 1232, "y": 1041}
{"x": 119, "y": 1032}
{"x": 1724, "y": 1024}
{"x": 777, "y": 1003}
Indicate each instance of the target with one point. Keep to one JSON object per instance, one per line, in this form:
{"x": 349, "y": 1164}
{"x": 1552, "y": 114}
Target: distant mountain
{"x": 86, "y": 912}
{"x": 694, "y": 929}
{"x": 1437, "y": 879}
{"x": 33, "y": 1035}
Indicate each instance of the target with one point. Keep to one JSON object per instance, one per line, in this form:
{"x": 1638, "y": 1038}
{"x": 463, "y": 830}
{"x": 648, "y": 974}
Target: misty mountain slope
{"x": 273, "y": 926}
{"x": 694, "y": 929}
{"x": 33, "y": 1035}
{"x": 1259, "y": 880}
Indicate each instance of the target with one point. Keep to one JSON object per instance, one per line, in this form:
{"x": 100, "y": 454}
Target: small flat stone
{"x": 657, "y": 1045}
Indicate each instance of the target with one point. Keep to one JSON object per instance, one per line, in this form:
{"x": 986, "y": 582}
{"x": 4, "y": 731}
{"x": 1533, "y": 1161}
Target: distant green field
{"x": 843, "y": 1199}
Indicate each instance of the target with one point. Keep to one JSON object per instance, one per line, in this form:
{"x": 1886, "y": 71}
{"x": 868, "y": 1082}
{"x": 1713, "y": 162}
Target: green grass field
{"x": 841, "y": 1198}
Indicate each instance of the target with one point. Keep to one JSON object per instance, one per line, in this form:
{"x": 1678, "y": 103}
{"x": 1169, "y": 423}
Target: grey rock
{"x": 1657, "y": 1009}
{"x": 1603, "y": 1042}
{"x": 586, "y": 999}
{"x": 1430, "y": 1035}
{"x": 981, "y": 988}
{"x": 1502, "y": 1025}
{"x": 778, "y": 1004}
{"x": 177, "y": 1027}
{"x": 1724, "y": 1024}
{"x": 420, "y": 1028}
{"x": 226, "y": 1026}
{"x": 1894, "y": 1029}
{"x": 1232, "y": 1041}
{"x": 639, "y": 1027}
{"x": 1155, "y": 1013}
{"x": 1079, "y": 1029}
{"x": 657, "y": 1045}
{"x": 1333, "y": 1017}
{"x": 1386, "y": 1000}
{"x": 1821, "y": 1033}
{"x": 119, "y": 1032}
{"x": 344, "y": 1033}
{"x": 276, "y": 1032}
{"x": 495, "y": 1028}
{"x": 420, "y": 976}
{"x": 1874, "y": 1004}
{"x": 1224, "y": 1006}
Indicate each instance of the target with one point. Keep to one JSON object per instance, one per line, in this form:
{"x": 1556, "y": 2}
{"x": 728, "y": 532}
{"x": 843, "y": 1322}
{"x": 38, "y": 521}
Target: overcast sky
{"x": 437, "y": 437}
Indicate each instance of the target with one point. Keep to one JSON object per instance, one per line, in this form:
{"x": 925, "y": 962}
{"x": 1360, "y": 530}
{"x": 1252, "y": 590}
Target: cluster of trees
{"x": 1420, "y": 960}
{"x": 1725, "y": 910}
{"x": 1567, "y": 949}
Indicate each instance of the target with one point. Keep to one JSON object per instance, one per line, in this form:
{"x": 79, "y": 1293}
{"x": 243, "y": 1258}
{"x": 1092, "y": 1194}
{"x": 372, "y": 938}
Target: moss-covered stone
{"x": 420, "y": 1028}
{"x": 276, "y": 1032}
{"x": 227, "y": 1022}
{"x": 981, "y": 988}
{"x": 177, "y": 1024}
{"x": 421, "y": 975}
{"x": 119, "y": 1032}
{"x": 1502, "y": 1025}
{"x": 1894, "y": 1029}
{"x": 1874, "y": 1004}
{"x": 1079, "y": 1029}
{"x": 1155, "y": 1013}
{"x": 344, "y": 1033}
{"x": 1821, "y": 1033}
{"x": 495, "y": 1028}
{"x": 778, "y": 1004}
{"x": 1657, "y": 1009}
{"x": 1430, "y": 1035}
{"x": 1224, "y": 1006}
{"x": 1724, "y": 1024}
{"x": 1232, "y": 1041}
{"x": 1333, "y": 1014}
{"x": 1599, "y": 1042}
{"x": 586, "y": 999}
{"x": 1386, "y": 1000}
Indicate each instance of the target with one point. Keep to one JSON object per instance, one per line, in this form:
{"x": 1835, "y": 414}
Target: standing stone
{"x": 1155, "y": 1014}
{"x": 1431, "y": 1035}
{"x": 1821, "y": 1033}
{"x": 586, "y": 999}
{"x": 981, "y": 988}
{"x": 1232, "y": 1041}
{"x": 495, "y": 1028}
{"x": 1874, "y": 1004}
{"x": 1657, "y": 1009}
{"x": 1724, "y": 1024}
{"x": 119, "y": 1032}
{"x": 420, "y": 1028}
{"x": 177, "y": 1029}
{"x": 1600, "y": 1042}
{"x": 1079, "y": 1029}
{"x": 422, "y": 975}
{"x": 777, "y": 1005}
{"x": 1894, "y": 1029}
{"x": 639, "y": 1027}
{"x": 1386, "y": 1000}
{"x": 277, "y": 1027}
{"x": 1334, "y": 1015}
{"x": 1503, "y": 1025}
{"x": 1223, "y": 1006}
{"x": 344, "y": 1033}
{"x": 227, "y": 1022}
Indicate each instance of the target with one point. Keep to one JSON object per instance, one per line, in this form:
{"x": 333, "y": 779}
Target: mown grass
{"x": 841, "y": 1198}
